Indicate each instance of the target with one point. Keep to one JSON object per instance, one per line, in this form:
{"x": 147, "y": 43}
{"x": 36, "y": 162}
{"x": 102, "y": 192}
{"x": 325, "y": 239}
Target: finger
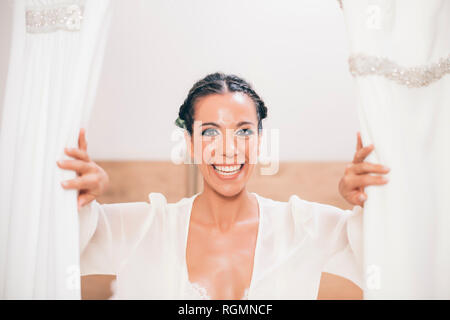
{"x": 84, "y": 199}
{"x": 360, "y": 198}
{"x": 362, "y": 154}
{"x": 367, "y": 167}
{"x": 358, "y": 141}
{"x": 361, "y": 181}
{"x": 357, "y": 199}
{"x": 82, "y": 143}
{"x": 75, "y": 165}
{"x": 86, "y": 182}
{"x": 77, "y": 154}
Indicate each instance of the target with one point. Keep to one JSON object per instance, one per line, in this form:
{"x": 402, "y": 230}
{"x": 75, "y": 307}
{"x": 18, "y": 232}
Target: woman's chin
{"x": 227, "y": 189}
{"x": 228, "y": 192}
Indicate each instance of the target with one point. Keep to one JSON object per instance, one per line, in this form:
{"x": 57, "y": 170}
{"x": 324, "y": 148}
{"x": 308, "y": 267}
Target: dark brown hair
{"x": 217, "y": 83}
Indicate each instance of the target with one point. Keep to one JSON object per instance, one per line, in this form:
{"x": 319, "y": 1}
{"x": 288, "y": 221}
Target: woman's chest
{"x": 162, "y": 275}
{"x": 270, "y": 264}
{"x": 221, "y": 262}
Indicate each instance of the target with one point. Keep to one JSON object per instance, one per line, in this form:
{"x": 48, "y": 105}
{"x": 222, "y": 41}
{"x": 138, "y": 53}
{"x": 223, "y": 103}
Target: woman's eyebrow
{"x": 244, "y": 122}
{"x": 210, "y": 123}
{"x": 216, "y": 125}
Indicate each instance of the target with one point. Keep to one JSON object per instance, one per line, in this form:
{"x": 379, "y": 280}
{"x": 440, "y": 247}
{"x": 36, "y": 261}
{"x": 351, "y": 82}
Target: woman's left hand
{"x": 359, "y": 174}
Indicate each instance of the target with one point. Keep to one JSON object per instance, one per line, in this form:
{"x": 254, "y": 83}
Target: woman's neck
{"x": 223, "y": 213}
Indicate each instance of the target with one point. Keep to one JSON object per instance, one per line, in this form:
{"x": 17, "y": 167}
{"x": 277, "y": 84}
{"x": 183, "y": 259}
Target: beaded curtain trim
{"x": 415, "y": 77}
{"x": 66, "y": 17}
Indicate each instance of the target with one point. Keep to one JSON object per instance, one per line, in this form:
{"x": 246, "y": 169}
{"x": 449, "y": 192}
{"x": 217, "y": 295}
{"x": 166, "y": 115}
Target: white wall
{"x": 293, "y": 51}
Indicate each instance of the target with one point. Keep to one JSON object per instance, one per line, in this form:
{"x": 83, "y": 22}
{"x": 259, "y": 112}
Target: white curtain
{"x": 56, "y": 55}
{"x": 400, "y": 58}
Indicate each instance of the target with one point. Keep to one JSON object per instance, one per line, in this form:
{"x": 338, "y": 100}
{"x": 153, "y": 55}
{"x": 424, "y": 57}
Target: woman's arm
{"x": 345, "y": 255}
{"x": 107, "y": 231}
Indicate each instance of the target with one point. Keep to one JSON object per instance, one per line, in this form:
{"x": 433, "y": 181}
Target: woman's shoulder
{"x": 159, "y": 203}
{"x": 310, "y": 216}
{"x": 297, "y": 204}
{"x": 160, "y": 198}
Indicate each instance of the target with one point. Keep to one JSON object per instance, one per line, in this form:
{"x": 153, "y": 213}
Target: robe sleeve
{"x": 337, "y": 233}
{"x": 108, "y": 233}
{"x": 344, "y": 257}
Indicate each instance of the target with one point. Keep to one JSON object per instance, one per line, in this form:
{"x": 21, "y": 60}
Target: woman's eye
{"x": 210, "y": 132}
{"x": 244, "y": 132}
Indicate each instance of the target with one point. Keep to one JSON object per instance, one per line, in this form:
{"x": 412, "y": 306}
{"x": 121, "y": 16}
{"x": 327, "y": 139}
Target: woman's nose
{"x": 229, "y": 147}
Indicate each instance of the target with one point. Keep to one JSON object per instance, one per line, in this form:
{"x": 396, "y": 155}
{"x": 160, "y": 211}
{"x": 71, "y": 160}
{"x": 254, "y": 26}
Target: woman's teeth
{"x": 228, "y": 170}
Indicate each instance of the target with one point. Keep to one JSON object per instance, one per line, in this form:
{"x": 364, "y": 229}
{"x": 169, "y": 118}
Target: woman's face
{"x": 225, "y": 141}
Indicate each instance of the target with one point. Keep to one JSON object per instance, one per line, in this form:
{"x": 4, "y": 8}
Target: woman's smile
{"x": 227, "y": 172}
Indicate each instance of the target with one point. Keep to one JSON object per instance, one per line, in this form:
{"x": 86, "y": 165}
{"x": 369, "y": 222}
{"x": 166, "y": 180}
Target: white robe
{"x": 145, "y": 246}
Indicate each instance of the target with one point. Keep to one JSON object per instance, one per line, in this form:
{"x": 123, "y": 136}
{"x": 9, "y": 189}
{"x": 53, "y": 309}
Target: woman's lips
{"x": 227, "y": 172}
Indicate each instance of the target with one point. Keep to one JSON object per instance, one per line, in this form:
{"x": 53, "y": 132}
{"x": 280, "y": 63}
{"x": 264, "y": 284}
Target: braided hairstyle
{"x": 217, "y": 83}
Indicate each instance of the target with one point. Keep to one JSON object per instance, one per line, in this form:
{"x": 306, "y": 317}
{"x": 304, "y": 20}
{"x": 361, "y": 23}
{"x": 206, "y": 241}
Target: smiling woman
{"x": 223, "y": 242}
{"x": 224, "y": 138}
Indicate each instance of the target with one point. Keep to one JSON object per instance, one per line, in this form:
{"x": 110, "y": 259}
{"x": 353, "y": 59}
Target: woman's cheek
{"x": 241, "y": 146}
{"x": 202, "y": 150}
{"x": 252, "y": 150}
{"x": 212, "y": 153}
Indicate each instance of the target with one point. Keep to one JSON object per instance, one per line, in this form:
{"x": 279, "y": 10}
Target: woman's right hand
{"x": 92, "y": 180}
